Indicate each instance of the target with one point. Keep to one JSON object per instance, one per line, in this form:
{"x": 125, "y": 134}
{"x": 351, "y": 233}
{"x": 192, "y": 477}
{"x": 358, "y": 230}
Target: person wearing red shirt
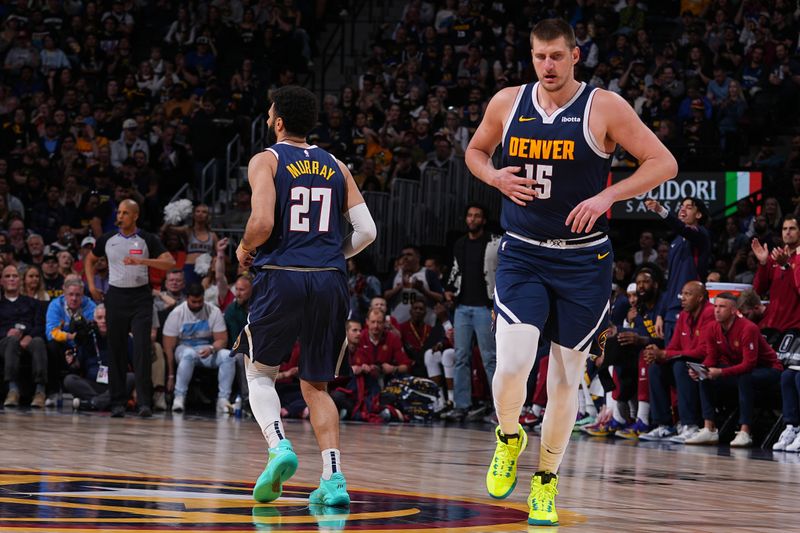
{"x": 779, "y": 274}
{"x": 358, "y": 398}
{"x": 383, "y": 347}
{"x": 736, "y": 356}
{"x": 668, "y": 368}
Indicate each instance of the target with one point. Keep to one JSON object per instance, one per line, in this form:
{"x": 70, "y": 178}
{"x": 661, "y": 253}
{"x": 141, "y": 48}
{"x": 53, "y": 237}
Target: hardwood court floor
{"x": 65, "y": 472}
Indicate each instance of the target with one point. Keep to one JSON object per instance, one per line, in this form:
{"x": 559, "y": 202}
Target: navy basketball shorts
{"x": 562, "y": 289}
{"x": 291, "y": 305}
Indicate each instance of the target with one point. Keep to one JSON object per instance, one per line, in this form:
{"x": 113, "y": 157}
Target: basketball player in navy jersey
{"x": 554, "y": 271}
{"x": 293, "y": 239}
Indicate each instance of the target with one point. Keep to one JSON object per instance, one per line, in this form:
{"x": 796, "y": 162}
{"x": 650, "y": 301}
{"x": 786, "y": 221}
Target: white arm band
{"x": 364, "y": 230}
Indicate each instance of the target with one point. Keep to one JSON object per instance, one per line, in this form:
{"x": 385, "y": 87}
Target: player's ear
{"x": 576, "y": 55}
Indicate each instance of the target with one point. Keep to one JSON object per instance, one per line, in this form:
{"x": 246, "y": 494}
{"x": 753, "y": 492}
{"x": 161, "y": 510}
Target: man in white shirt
{"x": 195, "y": 334}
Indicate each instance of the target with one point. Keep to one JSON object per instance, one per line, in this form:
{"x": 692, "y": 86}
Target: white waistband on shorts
{"x": 564, "y": 243}
{"x": 298, "y": 269}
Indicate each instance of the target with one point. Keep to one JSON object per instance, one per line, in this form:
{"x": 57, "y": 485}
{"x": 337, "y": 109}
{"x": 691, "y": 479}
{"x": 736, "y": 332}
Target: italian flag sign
{"x": 740, "y": 185}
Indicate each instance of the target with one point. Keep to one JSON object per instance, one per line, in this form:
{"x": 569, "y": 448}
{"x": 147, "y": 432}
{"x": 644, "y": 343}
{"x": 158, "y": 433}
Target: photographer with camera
{"x": 21, "y": 331}
{"x": 87, "y": 365}
{"x": 69, "y": 325}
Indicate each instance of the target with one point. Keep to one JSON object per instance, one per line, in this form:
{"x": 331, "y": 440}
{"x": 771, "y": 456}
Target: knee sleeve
{"x": 516, "y": 353}
{"x": 449, "y": 362}
{"x": 432, "y": 362}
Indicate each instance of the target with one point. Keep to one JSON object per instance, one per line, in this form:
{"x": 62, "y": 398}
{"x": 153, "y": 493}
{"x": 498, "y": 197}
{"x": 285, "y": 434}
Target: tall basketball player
{"x": 554, "y": 272}
{"x": 293, "y": 239}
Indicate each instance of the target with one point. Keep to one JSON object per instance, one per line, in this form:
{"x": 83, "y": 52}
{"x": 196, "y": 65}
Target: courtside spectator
{"x": 736, "y": 357}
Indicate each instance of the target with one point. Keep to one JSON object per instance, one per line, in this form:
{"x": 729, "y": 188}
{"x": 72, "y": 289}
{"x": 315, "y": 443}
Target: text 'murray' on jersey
{"x": 559, "y": 152}
{"x": 309, "y": 201}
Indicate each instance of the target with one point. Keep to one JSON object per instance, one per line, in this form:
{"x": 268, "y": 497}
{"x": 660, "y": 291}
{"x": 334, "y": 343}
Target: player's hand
{"x": 519, "y": 190}
{"x": 714, "y": 373}
{"x": 97, "y": 294}
{"x": 761, "y": 251}
{"x": 586, "y": 213}
{"x": 131, "y": 261}
{"x": 659, "y": 327}
{"x": 245, "y": 258}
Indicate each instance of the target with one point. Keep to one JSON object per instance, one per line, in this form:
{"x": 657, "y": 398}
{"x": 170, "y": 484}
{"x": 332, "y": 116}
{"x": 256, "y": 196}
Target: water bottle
{"x": 237, "y": 407}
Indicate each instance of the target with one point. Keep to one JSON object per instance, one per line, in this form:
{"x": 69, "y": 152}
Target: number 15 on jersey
{"x": 542, "y": 175}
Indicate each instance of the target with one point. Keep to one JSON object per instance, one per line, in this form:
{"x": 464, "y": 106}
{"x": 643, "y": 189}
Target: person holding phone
{"x": 737, "y": 357}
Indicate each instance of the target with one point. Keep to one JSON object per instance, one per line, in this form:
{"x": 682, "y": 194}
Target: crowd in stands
{"x": 95, "y": 111}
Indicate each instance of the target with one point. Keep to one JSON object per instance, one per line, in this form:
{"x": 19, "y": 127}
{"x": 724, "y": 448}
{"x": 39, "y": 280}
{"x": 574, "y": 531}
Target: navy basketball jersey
{"x": 561, "y": 154}
{"x": 309, "y": 200}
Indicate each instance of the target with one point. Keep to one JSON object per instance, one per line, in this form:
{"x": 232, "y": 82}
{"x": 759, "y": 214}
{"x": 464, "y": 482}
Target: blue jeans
{"x": 188, "y": 358}
{"x": 469, "y": 319}
{"x": 790, "y": 393}
{"x": 662, "y": 377}
{"x": 759, "y": 378}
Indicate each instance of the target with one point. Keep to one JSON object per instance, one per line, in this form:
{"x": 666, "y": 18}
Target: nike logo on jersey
{"x": 526, "y": 119}
{"x": 602, "y": 256}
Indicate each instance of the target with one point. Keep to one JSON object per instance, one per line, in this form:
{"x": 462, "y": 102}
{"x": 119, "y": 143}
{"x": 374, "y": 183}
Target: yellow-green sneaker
{"x": 502, "y": 475}
{"x": 542, "y": 499}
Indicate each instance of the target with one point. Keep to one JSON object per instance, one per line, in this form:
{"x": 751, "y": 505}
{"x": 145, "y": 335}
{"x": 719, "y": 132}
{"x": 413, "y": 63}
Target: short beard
{"x": 272, "y": 137}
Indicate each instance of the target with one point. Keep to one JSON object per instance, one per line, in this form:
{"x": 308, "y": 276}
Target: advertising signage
{"x": 716, "y": 189}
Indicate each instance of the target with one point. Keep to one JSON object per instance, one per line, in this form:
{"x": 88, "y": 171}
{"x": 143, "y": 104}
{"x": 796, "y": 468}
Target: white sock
{"x": 331, "y": 463}
{"x": 643, "y": 412}
{"x": 451, "y": 395}
{"x": 264, "y": 400}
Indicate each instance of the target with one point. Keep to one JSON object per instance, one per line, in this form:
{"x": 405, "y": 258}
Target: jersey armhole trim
{"x": 274, "y": 152}
{"x": 512, "y": 113}
{"x": 587, "y": 132}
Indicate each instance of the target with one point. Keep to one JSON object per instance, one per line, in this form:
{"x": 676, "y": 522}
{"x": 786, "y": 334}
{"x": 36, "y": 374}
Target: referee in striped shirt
{"x": 129, "y": 303}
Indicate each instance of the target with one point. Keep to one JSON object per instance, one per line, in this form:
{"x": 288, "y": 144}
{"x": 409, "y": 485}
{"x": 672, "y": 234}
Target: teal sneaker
{"x": 281, "y": 466}
{"x": 331, "y": 492}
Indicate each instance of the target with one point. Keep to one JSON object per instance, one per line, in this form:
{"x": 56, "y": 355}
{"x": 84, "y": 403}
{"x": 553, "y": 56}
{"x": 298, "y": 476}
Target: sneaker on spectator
{"x": 795, "y": 445}
{"x": 39, "y": 400}
{"x": 177, "y": 404}
{"x": 704, "y": 436}
{"x": 50, "y": 401}
{"x": 491, "y": 418}
{"x": 658, "y": 433}
{"x": 118, "y": 411}
{"x": 605, "y": 430}
{"x": 633, "y": 431}
{"x": 12, "y": 399}
{"x": 684, "y": 432}
{"x": 527, "y": 418}
{"x": 144, "y": 411}
{"x": 442, "y": 409}
{"x": 224, "y": 407}
{"x": 476, "y": 415}
{"x": 786, "y": 438}
{"x": 159, "y": 401}
{"x": 742, "y": 440}
{"x": 584, "y": 419}
{"x": 455, "y": 415}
